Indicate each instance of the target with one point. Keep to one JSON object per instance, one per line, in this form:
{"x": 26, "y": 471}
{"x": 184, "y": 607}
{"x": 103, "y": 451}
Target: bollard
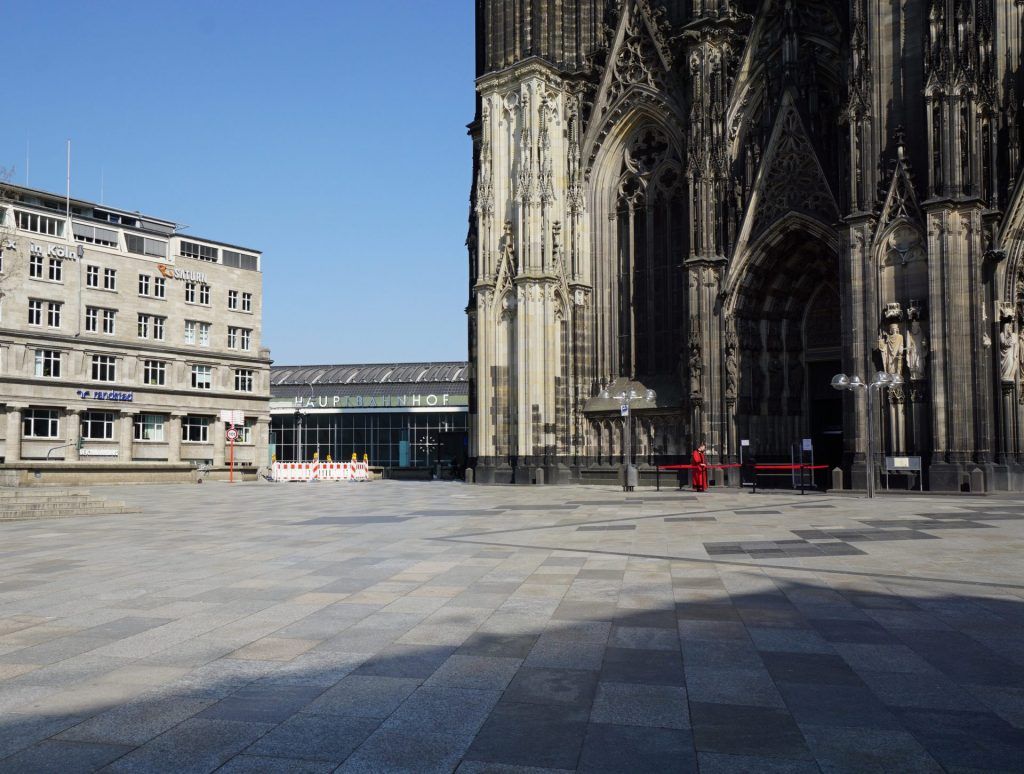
{"x": 538, "y": 476}
{"x": 632, "y": 477}
{"x": 837, "y": 478}
{"x": 469, "y": 475}
{"x": 977, "y": 481}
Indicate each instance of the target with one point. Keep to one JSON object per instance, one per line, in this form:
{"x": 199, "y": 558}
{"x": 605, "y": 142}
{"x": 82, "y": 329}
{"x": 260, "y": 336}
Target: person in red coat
{"x": 700, "y": 468}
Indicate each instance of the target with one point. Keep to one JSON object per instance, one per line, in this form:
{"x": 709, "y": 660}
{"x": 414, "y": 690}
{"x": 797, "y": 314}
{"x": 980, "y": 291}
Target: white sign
{"x": 744, "y": 442}
{"x": 70, "y": 252}
{"x": 808, "y": 444}
{"x": 232, "y": 434}
{"x": 624, "y": 409}
{"x": 232, "y": 417}
{"x": 170, "y": 272}
{"x": 98, "y": 452}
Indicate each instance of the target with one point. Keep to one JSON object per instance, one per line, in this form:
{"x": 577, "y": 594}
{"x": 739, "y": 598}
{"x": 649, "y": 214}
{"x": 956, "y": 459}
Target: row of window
{"x": 100, "y": 320}
{"x": 99, "y": 426}
{"x": 154, "y": 372}
{"x": 149, "y": 286}
{"x": 134, "y": 243}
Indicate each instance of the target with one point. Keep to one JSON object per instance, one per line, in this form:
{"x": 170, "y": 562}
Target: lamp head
{"x": 650, "y": 396}
{"x": 840, "y": 382}
{"x": 882, "y": 378}
{"x": 896, "y": 380}
{"x": 855, "y": 382}
{"x": 605, "y": 395}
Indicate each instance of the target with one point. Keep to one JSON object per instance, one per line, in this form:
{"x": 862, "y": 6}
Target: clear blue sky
{"x": 330, "y": 135}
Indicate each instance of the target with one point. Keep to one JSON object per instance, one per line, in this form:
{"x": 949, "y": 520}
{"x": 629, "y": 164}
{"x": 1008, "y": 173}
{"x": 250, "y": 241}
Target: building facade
{"x": 728, "y": 202}
{"x": 400, "y": 415}
{"x": 122, "y": 340}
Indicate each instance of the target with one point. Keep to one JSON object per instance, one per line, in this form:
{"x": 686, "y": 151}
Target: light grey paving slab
{"x": 138, "y": 721}
{"x": 364, "y": 696}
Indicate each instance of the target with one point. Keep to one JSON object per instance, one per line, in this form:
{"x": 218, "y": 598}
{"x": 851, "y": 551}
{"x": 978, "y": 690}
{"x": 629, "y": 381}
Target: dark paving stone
{"x": 547, "y": 736}
{"x": 963, "y": 658}
{"x": 609, "y": 528}
{"x": 405, "y": 661}
{"x": 720, "y": 654}
{"x": 63, "y": 757}
{"x": 740, "y": 730}
{"x": 759, "y": 513}
{"x": 840, "y": 630}
{"x": 539, "y": 507}
{"x": 969, "y": 740}
{"x": 454, "y": 512}
{"x": 647, "y": 667}
{"x": 690, "y": 518}
{"x": 716, "y": 763}
{"x": 564, "y": 561}
{"x": 868, "y": 750}
{"x": 836, "y": 705}
{"x": 628, "y": 749}
{"x": 648, "y": 619}
{"x": 573, "y": 687}
{"x": 315, "y": 737}
{"x": 355, "y": 520}
{"x": 839, "y": 549}
{"x": 815, "y": 668}
{"x": 780, "y": 617}
{"x": 697, "y": 611}
{"x": 126, "y": 627}
{"x": 818, "y": 505}
{"x": 262, "y": 703}
{"x": 509, "y": 645}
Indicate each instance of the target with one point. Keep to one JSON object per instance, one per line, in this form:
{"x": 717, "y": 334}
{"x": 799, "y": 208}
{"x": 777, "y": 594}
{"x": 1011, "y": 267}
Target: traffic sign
{"x": 232, "y": 416}
{"x": 624, "y": 409}
{"x": 232, "y": 434}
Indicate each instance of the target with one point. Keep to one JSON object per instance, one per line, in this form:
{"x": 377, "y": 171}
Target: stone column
{"x": 262, "y": 442}
{"x": 218, "y": 431}
{"x": 172, "y": 434}
{"x": 125, "y": 435}
{"x": 13, "y": 453}
{"x": 73, "y": 418}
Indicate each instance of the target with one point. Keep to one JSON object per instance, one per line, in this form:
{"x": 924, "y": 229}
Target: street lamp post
{"x": 312, "y": 399}
{"x": 626, "y": 399}
{"x": 881, "y": 381}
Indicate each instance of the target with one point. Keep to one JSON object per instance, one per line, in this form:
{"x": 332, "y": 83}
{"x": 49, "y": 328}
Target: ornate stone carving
{"x": 731, "y": 364}
{"x": 917, "y": 344}
{"x": 696, "y": 359}
{"x": 890, "y": 345}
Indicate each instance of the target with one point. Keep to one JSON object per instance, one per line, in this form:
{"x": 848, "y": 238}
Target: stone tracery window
{"x": 650, "y": 228}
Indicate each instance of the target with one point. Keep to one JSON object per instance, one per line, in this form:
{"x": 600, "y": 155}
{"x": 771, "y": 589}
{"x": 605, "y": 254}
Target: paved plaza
{"x": 438, "y": 627}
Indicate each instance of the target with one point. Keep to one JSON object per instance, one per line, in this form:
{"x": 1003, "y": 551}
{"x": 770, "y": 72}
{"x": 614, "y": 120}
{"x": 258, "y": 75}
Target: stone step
{"x": 43, "y": 505}
{"x": 98, "y": 510}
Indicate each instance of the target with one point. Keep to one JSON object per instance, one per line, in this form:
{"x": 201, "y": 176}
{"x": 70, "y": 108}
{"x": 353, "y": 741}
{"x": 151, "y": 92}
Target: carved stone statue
{"x": 731, "y": 373}
{"x": 1009, "y": 360}
{"x": 508, "y": 245}
{"x": 1020, "y": 351}
{"x": 917, "y": 350}
{"x": 890, "y": 344}
{"x": 696, "y": 363}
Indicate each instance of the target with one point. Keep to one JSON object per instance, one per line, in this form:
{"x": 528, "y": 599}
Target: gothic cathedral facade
{"x": 717, "y": 205}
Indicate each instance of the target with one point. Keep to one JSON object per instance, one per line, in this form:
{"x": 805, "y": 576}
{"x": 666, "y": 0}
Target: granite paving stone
{"x": 433, "y": 626}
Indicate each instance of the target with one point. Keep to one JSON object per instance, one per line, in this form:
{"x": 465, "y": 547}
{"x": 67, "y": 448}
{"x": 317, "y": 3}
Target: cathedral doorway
{"x": 788, "y": 314}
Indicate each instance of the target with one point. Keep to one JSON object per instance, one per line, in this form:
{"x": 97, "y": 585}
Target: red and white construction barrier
{"x": 321, "y": 471}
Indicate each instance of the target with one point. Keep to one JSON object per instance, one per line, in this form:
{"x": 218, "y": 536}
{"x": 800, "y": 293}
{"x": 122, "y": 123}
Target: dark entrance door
{"x": 826, "y": 418}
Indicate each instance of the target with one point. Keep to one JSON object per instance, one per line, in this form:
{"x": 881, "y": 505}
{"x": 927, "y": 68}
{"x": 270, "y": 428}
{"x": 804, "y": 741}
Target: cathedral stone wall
{"x": 726, "y": 202}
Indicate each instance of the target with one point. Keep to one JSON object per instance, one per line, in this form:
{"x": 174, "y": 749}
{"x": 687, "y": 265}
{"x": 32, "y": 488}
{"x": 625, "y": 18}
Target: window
{"x": 145, "y": 246}
{"x": 56, "y": 269}
{"x": 154, "y": 372}
{"x": 104, "y": 368}
{"x": 30, "y": 221}
{"x": 35, "y": 312}
{"x": 246, "y": 338}
{"x": 159, "y": 287}
{"x": 98, "y": 425}
{"x": 108, "y": 320}
{"x": 204, "y": 334}
{"x": 110, "y": 279}
{"x": 53, "y": 314}
{"x": 91, "y": 319}
{"x": 94, "y": 235}
{"x": 158, "y": 328}
{"x": 204, "y": 294}
{"x": 190, "y": 292}
{"x": 143, "y": 326}
{"x": 239, "y": 338}
{"x": 247, "y": 302}
{"x": 144, "y": 284}
{"x": 48, "y": 363}
{"x": 198, "y": 251}
{"x": 232, "y": 338}
{"x": 232, "y": 299}
{"x": 241, "y": 260}
{"x": 202, "y": 377}
{"x": 149, "y": 427}
{"x": 245, "y": 431}
{"x": 195, "y": 429}
{"x": 35, "y": 266}
{"x": 92, "y": 276}
{"x": 243, "y": 379}
{"x": 39, "y": 423}
{"x": 190, "y": 331}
